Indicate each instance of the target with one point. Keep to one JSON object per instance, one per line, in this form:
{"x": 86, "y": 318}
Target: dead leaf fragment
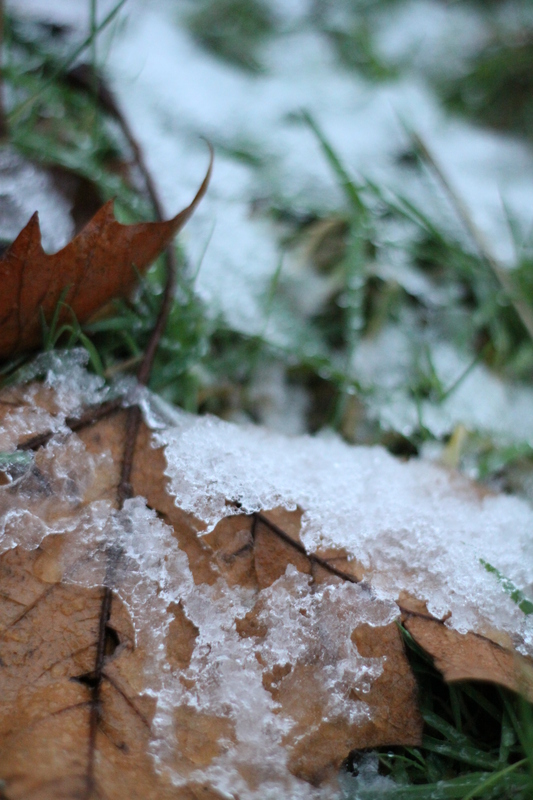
{"x": 468, "y": 656}
{"x": 102, "y": 262}
{"x": 258, "y": 639}
{"x": 49, "y": 634}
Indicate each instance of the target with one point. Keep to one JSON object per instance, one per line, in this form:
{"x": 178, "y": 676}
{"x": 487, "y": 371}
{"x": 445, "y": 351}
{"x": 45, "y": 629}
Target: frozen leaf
{"x": 412, "y": 528}
{"x": 102, "y": 262}
{"x": 234, "y": 662}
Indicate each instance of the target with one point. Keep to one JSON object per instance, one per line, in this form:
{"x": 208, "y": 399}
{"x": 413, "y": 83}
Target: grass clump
{"x": 477, "y": 743}
{"x": 233, "y": 29}
{"x": 497, "y": 87}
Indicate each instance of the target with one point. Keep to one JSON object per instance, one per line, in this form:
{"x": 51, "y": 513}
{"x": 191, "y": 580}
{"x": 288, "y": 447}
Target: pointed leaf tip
{"x": 100, "y": 263}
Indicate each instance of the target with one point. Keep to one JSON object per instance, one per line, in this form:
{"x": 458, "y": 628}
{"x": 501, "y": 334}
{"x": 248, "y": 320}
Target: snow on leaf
{"x": 237, "y": 662}
{"x": 411, "y": 527}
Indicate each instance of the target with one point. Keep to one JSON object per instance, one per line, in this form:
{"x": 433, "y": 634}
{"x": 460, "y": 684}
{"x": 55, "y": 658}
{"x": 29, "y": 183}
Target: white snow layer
{"x": 412, "y": 526}
{"x": 26, "y": 187}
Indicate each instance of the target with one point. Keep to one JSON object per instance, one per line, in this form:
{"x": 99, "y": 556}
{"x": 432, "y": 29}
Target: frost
{"x": 65, "y": 372}
{"x": 135, "y": 553}
{"x": 412, "y": 526}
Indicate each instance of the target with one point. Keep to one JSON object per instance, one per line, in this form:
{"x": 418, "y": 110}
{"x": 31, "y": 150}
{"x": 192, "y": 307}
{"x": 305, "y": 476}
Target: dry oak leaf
{"x": 223, "y": 650}
{"x": 102, "y": 262}
{"x": 235, "y": 665}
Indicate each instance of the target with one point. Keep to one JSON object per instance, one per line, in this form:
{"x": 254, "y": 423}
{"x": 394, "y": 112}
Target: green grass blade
{"x": 94, "y": 356}
{"x": 517, "y": 596}
{"x": 351, "y": 191}
{"x": 64, "y": 66}
{"x": 465, "y": 754}
{"x": 493, "y": 780}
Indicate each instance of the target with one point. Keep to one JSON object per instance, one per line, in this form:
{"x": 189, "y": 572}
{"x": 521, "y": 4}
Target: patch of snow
{"x": 65, "y": 372}
{"x": 281, "y": 407}
{"x": 413, "y": 526}
{"x": 24, "y": 188}
{"x": 427, "y": 35}
{"x": 44, "y": 498}
{"x": 480, "y": 401}
{"x": 73, "y": 387}
{"x": 63, "y": 12}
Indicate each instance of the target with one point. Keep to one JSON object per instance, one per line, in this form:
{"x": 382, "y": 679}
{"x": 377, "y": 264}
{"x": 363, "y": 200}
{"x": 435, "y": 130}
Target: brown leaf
{"x": 469, "y": 656}
{"x": 205, "y": 738}
{"x": 102, "y": 262}
{"x": 50, "y": 616}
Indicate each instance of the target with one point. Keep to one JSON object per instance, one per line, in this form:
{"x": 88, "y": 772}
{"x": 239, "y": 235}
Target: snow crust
{"x": 412, "y": 526}
{"x": 136, "y": 554}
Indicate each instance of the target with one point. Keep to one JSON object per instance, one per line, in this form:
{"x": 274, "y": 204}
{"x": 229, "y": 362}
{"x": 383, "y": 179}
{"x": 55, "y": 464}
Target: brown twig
{"x": 90, "y": 415}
